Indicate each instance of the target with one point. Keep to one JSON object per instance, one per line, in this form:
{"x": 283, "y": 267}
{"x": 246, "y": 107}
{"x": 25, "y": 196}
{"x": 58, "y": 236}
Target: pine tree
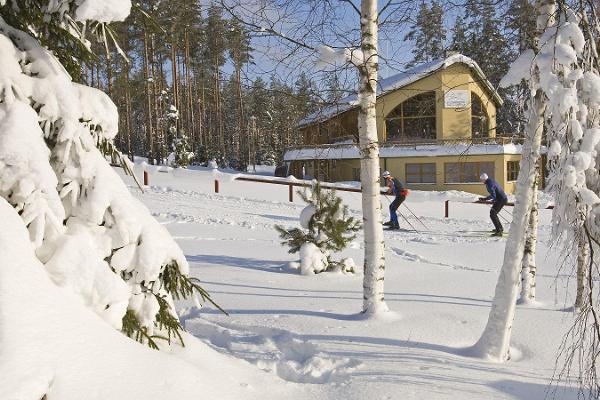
{"x": 428, "y": 33}
{"x": 326, "y": 223}
{"x": 79, "y": 214}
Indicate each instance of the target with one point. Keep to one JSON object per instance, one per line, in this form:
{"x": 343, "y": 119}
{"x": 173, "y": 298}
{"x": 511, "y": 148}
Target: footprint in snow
{"x": 273, "y": 350}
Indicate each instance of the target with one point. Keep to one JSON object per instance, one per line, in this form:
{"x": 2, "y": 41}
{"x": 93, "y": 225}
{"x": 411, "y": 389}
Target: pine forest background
{"x": 187, "y": 81}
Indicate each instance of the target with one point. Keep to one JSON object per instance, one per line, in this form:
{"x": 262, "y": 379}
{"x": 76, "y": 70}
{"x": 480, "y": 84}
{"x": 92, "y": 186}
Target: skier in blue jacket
{"x": 396, "y": 188}
{"x": 499, "y": 198}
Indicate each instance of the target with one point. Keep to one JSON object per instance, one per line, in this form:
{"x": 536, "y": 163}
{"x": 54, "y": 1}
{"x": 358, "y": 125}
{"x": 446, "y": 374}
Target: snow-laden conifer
{"x": 92, "y": 236}
{"x": 326, "y": 227}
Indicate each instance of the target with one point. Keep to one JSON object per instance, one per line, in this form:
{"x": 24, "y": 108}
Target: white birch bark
{"x": 494, "y": 342}
{"x": 528, "y": 267}
{"x": 582, "y": 265}
{"x": 374, "y": 262}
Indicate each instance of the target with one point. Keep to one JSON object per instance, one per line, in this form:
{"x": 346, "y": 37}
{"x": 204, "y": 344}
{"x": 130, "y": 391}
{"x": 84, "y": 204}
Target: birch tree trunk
{"x": 528, "y": 267}
{"x": 374, "y": 262}
{"x": 582, "y": 265}
{"x": 494, "y": 342}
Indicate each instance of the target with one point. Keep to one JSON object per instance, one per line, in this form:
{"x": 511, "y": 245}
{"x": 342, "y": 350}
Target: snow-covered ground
{"x": 306, "y": 333}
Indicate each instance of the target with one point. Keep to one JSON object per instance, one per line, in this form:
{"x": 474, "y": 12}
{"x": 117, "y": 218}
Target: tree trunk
{"x": 174, "y": 78}
{"x": 128, "y": 112}
{"x": 240, "y": 133}
{"x": 495, "y": 340}
{"x": 374, "y": 262}
{"x": 528, "y": 268}
{"x": 191, "y": 127}
{"x": 149, "y": 106}
{"x": 582, "y": 266}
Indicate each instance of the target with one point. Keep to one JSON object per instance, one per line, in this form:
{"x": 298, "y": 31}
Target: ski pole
{"x": 417, "y": 218}
{"x": 408, "y": 222}
{"x": 503, "y": 218}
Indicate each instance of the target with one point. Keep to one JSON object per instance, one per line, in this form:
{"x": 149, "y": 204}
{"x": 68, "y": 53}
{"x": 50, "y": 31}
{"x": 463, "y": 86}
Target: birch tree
{"x": 528, "y": 264}
{"x": 374, "y": 262}
{"x": 349, "y": 48}
{"x": 494, "y": 342}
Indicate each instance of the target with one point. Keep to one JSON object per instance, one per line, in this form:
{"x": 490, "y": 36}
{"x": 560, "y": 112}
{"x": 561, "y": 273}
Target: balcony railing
{"x": 498, "y": 140}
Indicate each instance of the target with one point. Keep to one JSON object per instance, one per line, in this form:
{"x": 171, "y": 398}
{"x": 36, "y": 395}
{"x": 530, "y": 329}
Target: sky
{"x": 317, "y": 22}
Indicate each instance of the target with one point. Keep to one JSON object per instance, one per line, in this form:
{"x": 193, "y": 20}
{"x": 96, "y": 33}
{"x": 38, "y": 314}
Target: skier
{"x": 499, "y": 198}
{"x": 396, "y": 188}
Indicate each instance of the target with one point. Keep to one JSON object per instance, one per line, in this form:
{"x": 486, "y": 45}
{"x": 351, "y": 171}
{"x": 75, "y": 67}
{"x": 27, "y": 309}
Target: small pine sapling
{"x": 326, "y": 224}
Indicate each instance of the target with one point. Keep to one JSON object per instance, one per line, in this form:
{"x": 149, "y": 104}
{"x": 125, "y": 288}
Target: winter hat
{"x": 386, "y": 174}
{"x": 484, "y": 177}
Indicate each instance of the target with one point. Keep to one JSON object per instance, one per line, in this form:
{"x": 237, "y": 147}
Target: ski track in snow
{"x": 407, "y": 255}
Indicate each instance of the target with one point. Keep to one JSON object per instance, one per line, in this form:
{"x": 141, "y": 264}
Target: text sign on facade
{"x": 456, "y": 99}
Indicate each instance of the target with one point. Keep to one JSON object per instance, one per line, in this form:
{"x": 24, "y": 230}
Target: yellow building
{"x": 436, "y": 125}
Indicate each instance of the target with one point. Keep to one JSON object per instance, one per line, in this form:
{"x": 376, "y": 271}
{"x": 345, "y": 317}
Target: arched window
{"x": 412, "y": 120}
{"x": 480, "y": 123}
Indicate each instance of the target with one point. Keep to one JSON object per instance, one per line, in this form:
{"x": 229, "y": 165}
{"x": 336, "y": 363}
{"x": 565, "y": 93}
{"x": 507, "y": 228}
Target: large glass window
{"x": 420, "y": 173}
{"x": 413, "y": 120}
{"x": 480, "y": 126}
{"x": 467, "y": 172}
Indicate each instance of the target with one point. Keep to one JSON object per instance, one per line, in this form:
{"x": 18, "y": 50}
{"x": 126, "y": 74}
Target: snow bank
{"x": 53, "y": 345}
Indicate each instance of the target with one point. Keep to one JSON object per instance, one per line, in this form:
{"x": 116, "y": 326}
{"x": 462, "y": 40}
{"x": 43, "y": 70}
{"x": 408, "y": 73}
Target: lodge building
{"x": 436, "y": 125}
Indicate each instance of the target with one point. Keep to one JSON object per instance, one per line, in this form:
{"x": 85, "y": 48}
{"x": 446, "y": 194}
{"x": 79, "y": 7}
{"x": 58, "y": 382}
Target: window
{"x": 467, "y": 172}
{"x": 479, "y": 120}
{"x": 512, "y": 170}
{"x": 356, "y": 174}
{"x": 413, "y": 120}
{"x": 420, "y": 173}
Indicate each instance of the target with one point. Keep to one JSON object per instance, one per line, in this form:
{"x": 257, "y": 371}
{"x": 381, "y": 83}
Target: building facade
{"x": 436, "y": 126}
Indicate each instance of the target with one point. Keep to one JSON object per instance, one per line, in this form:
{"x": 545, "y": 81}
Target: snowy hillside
{"x": 307, "y": 330}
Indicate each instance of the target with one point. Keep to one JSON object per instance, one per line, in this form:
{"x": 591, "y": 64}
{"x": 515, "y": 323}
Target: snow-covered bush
{"x": 326, "y": 226}
{"x": 93, "y": 237}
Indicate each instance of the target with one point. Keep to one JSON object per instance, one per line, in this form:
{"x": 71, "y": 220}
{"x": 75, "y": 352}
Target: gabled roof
{"x": 401, "y": 80}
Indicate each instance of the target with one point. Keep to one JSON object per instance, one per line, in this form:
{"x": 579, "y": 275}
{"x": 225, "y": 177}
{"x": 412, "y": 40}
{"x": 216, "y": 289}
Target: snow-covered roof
{"x": 401, "y": 80}
{"x": 337, "y": 152}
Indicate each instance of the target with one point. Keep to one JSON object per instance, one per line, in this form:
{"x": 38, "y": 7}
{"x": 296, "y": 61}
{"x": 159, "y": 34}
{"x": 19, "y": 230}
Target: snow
{"x": 312, "y": 260}
{"x": 350, "y": 151}
{"x": 102, "y": 10}
{"x": 394, "y": 82}
{"x": 328, "y": 56}
{"x": 306, "y": 215}
{"x": 52, "y": 345}
{"x": 519, "y": 70}
{"x": 440, "y": 281}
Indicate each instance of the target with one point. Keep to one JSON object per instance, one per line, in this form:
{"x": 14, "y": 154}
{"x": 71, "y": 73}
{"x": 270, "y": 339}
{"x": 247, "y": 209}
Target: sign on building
{"x": 456, "y": 99}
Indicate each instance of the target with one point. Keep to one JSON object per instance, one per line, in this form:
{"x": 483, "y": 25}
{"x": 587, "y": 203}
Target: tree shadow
{"x": 278, "y": 217}
{"x": 531, "y": 391}
{"x": 276, "y": 266}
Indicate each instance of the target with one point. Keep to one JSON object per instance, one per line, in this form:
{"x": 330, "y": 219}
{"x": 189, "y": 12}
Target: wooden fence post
{"x": 291, "y": 192}
{"x": 146, "y": 179}
{"x": 446, "y": 208}
{"x": 216, "y": 186}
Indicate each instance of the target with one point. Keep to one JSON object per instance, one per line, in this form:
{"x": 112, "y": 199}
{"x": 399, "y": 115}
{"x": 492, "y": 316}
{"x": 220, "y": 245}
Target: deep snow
{"x": 307, "y": 329}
